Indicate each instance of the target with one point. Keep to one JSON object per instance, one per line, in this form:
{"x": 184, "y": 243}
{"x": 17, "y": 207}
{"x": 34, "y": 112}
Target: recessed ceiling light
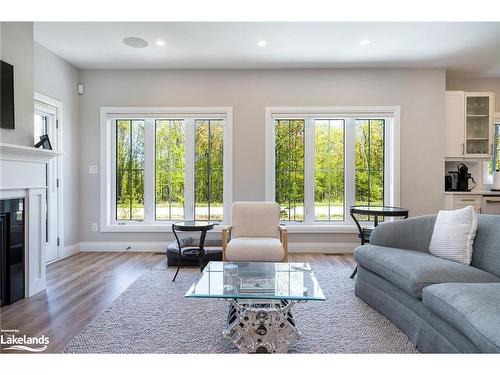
{"x": 160, "y": 42}
{"x": 364, "y": 42}
{"x": 134, "y": 42}
{"x": 262, "y": 43}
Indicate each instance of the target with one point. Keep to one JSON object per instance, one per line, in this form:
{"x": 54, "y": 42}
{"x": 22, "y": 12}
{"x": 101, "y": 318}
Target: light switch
{"x": 93, "y": 169}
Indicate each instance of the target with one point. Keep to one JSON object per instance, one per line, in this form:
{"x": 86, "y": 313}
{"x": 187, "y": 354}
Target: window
{"x": 289, "y": 168}
{"x": 45, "y": 119}
{"x": 129, "y": 169}
{"x": 320, "y": 163}
{"x": 329, "y": 170}
{"x": 169, "y": 169}
{"x": 494, "y": 163}
{"x": 369, "y": 163}
{"x": 209, "y": 176}
{"x": 41, "y": 125}
{"x": 162, "y": 165}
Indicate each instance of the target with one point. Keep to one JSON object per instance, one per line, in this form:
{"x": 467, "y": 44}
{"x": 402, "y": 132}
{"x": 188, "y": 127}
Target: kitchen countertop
{"x": 474, "y": 192}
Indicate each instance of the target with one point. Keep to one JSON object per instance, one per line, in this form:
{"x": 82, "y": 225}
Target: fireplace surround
{"x": 23, "y": 176}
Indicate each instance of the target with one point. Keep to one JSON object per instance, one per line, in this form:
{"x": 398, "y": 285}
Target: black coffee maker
{"x": 460, "y": 179}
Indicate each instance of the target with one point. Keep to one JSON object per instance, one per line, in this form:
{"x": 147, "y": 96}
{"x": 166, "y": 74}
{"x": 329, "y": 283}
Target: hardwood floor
{"x": 78, "y": 288}
{"x": 81, "y": 286}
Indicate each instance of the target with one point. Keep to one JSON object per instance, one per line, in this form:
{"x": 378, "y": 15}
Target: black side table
{"x": 192, "y": 226}
{"x": 375, "y": 211}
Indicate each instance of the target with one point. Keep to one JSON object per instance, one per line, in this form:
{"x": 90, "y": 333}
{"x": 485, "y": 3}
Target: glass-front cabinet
{"x": 469, "y": 124}
{"x": 478, "y": 124}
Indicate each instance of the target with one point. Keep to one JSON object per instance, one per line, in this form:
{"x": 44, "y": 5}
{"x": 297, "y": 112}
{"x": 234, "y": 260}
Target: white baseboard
{"x": 70, "y": 250}
{"x": 322, "y": 248}
{"x": 124, "y": 246}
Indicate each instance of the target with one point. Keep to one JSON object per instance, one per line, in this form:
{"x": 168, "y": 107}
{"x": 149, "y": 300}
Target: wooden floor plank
{"x": 81, "y": 286}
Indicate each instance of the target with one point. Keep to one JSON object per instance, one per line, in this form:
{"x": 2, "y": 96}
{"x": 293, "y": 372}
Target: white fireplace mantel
{"x": 26, "y": 153}
{"x": 23, "y": 167}
{"x": 23, "y": 175}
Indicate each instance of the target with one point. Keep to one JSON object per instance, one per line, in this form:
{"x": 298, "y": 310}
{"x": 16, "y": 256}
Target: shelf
{"x": 26, "y": 153}
{"x": 477, "y": 157}
{"x": 477, "y": 115}
{"x": 476, "y": 139}
{"x": 467, "y": 158}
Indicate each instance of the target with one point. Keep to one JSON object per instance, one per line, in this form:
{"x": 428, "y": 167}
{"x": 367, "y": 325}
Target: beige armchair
{"x": 255, "y": 234}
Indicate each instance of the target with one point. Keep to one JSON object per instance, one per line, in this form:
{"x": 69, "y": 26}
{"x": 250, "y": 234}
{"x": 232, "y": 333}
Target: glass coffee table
{"x": 261, "y": 296}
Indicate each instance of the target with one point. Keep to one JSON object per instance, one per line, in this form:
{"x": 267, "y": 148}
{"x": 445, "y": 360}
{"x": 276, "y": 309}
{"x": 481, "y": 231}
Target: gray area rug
{"x": 153, "y": 316}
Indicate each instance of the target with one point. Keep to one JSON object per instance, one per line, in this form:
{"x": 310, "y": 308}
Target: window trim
{"x": 391, "y": 159}
{"x": 108, "y": 163}
{"x": 487, "y": 177}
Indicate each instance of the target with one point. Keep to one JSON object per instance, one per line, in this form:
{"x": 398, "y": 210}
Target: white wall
{"x": 419, "y": 92}
{"x": 17, "y": 50}
{"x": 36, "y": 68}
{"x": 56, "y": 78}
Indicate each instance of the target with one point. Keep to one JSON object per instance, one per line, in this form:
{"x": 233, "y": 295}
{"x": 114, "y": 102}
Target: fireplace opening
{"x": 11, "y": 250}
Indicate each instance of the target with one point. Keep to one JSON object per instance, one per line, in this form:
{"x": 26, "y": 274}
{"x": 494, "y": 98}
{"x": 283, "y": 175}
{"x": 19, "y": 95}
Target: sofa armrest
{"x": 412, "y": 234}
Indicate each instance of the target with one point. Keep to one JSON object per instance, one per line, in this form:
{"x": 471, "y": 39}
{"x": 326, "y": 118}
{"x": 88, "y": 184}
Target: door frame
{"x": 58, "y": 105}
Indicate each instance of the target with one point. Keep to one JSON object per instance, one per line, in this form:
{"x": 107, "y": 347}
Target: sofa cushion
{"x": 454, "y": 234}
{"x": 413, "y": 270}
{"x": 473, "y": 309}
{"x": 255, "y": 249}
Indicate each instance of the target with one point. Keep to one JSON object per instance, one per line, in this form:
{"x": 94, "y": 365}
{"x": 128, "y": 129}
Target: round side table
{"x": 376, "y": 212}
{"x": 192, "y": 226}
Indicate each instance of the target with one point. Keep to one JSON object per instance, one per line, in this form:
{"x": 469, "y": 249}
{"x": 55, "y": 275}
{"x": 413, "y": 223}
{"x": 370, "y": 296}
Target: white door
{"x": 46, "y": 123}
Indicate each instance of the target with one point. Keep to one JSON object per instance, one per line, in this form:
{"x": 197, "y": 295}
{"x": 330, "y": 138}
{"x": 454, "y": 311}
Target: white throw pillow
{"x": 453, "y": 235}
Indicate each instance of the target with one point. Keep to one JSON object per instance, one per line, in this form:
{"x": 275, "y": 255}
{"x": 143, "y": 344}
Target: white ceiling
{"x": 465, "y": 49}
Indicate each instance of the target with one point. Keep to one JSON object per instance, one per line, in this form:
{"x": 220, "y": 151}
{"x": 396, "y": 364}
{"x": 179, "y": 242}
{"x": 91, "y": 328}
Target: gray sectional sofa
{"x": 443, "y": 306}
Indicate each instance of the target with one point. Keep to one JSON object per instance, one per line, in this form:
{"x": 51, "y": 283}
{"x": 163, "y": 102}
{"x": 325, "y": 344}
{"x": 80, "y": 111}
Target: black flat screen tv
{"x": 7, "y": 96}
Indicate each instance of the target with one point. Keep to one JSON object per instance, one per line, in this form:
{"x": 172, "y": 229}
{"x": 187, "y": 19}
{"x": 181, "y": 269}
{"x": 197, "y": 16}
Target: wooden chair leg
{"x": 284, "y": 242}
{"x": 225, "y": 237}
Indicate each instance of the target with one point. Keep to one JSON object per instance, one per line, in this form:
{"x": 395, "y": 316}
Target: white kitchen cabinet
{"x": 455, "y": 202}
{"x": 469, "y": 124}
{"x": 455, "y": 124}
{"x": 479, "y": 124}
{"x": 491, "y": 205}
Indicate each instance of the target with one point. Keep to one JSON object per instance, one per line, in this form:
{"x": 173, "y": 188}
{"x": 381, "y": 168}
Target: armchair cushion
{"x": 255, "y": 219}
{"x": 255, "y": 249}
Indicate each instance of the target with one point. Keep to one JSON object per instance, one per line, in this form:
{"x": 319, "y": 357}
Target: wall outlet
{"x": 93, "y": 169}
{"x": 95, "y": 227}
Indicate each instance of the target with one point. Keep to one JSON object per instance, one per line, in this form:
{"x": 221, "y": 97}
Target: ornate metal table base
{"x": 261, "y": 327}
